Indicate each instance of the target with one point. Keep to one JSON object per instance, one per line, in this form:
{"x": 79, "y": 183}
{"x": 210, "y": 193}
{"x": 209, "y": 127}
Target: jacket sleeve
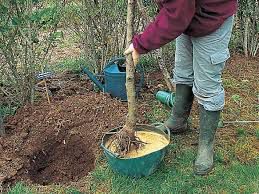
{"x": 172, "y": 20}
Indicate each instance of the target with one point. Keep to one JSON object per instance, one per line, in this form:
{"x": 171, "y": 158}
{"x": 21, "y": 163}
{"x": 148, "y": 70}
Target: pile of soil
{"x": 58, "y": 142}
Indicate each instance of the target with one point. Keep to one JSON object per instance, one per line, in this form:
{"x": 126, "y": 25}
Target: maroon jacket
{"x": 192, "y": 17}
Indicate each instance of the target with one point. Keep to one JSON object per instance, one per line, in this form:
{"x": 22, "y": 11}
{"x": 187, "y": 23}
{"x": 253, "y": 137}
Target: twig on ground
{"x": 237, "y": 122}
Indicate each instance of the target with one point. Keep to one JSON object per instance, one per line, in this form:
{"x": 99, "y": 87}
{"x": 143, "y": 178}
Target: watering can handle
{"x": 167, "y": 131}
{"x": 139, "y": 68}
{"x": 119, "y": 59}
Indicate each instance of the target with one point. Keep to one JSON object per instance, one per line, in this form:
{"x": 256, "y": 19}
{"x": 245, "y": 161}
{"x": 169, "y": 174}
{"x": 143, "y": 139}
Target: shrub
{"x": 28, "y": 32}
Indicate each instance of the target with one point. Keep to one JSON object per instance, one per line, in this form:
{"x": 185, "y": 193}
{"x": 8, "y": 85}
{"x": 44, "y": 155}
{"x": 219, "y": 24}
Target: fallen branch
{"x": 241, "y": 122}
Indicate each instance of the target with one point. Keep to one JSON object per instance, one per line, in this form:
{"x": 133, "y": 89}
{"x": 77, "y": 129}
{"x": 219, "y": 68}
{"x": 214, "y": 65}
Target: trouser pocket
{"x": 220, "y": 56}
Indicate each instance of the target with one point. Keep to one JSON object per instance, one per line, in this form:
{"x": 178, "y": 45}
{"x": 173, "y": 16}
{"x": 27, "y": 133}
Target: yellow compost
{"x": 153, "y": 142}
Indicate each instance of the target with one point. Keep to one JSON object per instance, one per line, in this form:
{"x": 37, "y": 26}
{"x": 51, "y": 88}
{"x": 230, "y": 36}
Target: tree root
{"x": 125, "y": 141}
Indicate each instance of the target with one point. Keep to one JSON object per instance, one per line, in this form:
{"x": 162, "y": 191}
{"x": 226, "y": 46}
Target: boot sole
{"x": 180, "y": 131}
{"x": 204, "y": 172}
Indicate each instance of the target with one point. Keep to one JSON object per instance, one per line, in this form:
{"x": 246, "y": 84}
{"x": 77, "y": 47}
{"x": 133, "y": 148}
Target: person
{"x": 202, "y": 29}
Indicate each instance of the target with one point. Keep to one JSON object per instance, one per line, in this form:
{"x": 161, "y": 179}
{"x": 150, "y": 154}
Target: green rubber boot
{"x": 208, "y": 125}
{"x": 178, "y": 121}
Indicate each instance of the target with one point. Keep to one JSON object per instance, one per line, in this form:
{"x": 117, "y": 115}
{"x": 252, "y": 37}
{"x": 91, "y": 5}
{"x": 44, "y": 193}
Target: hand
{"x": 135, "y": 54}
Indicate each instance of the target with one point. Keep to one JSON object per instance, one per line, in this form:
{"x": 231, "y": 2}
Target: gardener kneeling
{"x": 202, "y": 29}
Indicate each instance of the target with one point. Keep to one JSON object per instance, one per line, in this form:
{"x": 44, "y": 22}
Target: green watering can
{"x": 114, "y": 75}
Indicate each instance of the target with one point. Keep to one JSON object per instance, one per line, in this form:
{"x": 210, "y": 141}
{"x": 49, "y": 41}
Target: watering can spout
{"x": 93, "y": 78}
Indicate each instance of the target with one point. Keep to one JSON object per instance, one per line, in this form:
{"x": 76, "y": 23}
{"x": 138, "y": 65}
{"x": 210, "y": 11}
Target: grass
{"x": 7, "y": 110}
{"x": 236, "y": 98}
{"x": 236, "y": 82}
{"x": 71, "y": 39}
{"x": 257, "y": 134}
{"x": 20, "y": 188}
{"x": 69, "y": 64}
{"x": 175, "y": 175}
{"x": 158, "y": 113}
{"x": 241, "y": 132}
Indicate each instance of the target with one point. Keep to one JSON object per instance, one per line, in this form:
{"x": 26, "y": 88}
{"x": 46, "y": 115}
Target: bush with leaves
{"x": 28, "y": 32}
{"x": 247, "y": 27}
{"x": 101, "y": 27}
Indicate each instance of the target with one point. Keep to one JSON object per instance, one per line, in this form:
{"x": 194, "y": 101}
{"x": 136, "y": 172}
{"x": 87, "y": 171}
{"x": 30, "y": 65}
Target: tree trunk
{"x": 246, "y": 36}
{"x": 130, "y": 70}
{"x": 126, "y": 139}
{"x": 164, "y": 70}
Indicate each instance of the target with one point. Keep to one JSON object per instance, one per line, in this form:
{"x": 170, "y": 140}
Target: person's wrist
{"x": 129, "y": 50}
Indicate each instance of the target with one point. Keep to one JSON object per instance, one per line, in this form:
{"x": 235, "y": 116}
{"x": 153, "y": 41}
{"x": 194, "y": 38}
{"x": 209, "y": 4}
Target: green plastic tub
{"x": 136, "y": 167}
